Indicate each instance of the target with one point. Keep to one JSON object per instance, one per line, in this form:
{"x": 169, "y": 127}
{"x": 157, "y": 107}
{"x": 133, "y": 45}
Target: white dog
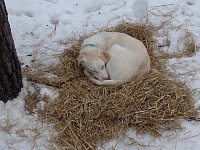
{"x": 110, "y": 58}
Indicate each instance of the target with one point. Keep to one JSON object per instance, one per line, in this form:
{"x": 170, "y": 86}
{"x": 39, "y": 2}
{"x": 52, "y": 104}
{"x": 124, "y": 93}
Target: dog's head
{"x": 93, "y": 60}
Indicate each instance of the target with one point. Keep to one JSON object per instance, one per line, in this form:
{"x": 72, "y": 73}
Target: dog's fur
{"x": 110, "y": 58}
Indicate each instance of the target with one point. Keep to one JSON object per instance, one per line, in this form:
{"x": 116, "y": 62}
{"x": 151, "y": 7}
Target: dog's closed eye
{"x": 93, "y": 71}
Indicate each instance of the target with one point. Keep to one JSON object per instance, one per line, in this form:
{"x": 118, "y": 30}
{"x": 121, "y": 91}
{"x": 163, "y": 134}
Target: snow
{"x": 20, "y": 130}
{"x": 185, "y": 140}
{"x": 41, "y": 30}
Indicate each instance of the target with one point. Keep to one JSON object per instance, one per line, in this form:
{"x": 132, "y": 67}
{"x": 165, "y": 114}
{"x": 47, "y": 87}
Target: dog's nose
{"x": 105, "y": 78}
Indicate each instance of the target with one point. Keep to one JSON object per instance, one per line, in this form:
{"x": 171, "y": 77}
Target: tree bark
{"x": 10, "y": 71}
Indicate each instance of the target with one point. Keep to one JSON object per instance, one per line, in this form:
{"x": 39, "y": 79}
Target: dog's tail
{"x": 109, "y": 82}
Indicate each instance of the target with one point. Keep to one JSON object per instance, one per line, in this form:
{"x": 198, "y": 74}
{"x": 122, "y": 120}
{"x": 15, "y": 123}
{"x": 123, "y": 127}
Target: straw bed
{"x": 87, "y": 115}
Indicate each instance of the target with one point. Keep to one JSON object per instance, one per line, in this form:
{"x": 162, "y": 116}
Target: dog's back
{"x": 106, "y": 40}
{"x": 125, "y": 64}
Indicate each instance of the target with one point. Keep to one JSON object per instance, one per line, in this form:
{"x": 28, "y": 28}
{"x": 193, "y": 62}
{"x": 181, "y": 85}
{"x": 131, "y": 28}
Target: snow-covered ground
{"x": 41, "y": 30}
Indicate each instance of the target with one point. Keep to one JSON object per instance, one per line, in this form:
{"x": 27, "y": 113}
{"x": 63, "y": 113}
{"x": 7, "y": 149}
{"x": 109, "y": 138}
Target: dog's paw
{"x": 96, "y": 81}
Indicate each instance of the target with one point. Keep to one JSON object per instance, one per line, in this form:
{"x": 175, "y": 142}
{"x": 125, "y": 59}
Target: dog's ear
{"x": 105, "y": 56}
{"x": 81, "y": 58}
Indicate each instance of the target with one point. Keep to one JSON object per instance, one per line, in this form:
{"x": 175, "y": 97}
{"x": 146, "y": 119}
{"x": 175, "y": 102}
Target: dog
{"x": 111, "y": 58}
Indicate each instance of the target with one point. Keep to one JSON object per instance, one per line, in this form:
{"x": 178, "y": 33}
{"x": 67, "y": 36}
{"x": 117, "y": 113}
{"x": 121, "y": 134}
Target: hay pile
{"x": 86, "y": 115}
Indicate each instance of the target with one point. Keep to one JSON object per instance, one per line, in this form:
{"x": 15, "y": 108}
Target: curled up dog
{"x": 110, "y": 58}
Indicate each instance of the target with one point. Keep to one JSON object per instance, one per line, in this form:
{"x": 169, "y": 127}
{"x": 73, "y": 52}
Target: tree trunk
{"x": 10, "y": 71}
